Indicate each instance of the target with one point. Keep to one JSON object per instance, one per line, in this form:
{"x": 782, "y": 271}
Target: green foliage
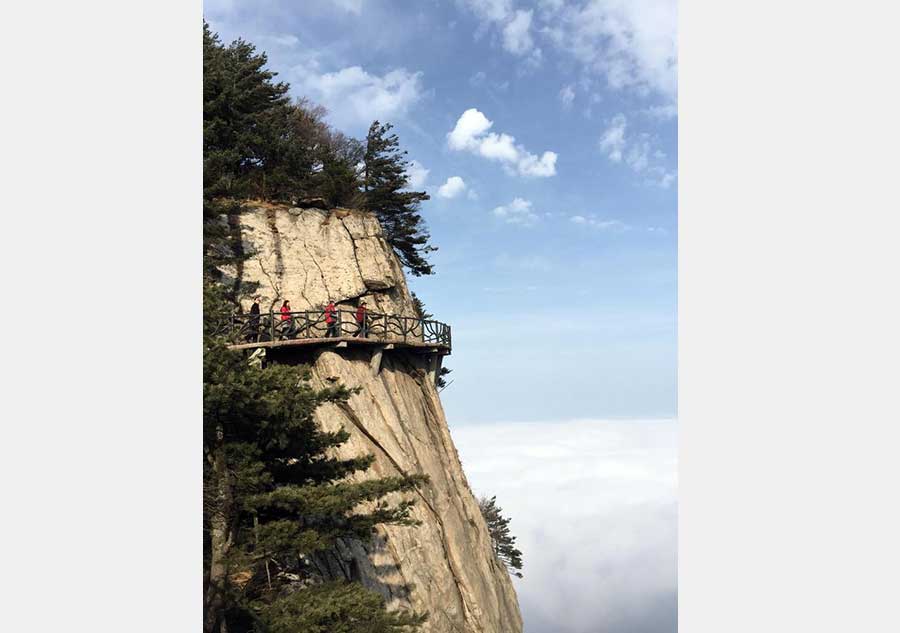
{"x": 338, "y": 181}
{"x": 242, "y": 110}
{"x": 259, "y": 144}
{"x": 385, "y": 178}
{"x": 504, "y": 542}
{"x": 337, "y": 608}
{"x": 419, "y": 306}
{"x": 274, "y": 494}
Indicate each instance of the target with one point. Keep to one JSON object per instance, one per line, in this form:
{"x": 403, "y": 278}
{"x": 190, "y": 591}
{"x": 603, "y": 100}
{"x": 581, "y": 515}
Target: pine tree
{"x": 335, "y": 608}
{"x": 259, "y": 144}
{"x": 504, "y": 542}
{"x": 338, "y": 181}
{"x": 419, "y": 306}
{"x": 274, "y": 496}
{"x": 385, "y": 179}
{"x": 242, "y": 110}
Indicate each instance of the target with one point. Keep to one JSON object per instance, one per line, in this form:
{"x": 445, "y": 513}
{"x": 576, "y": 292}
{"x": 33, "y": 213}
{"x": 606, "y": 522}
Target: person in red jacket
{"x": 331, "y": 320}
{"x": 287, "y": 322}
{"x": 361, "y": 320}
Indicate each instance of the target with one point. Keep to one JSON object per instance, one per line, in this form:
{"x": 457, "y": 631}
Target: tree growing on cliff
{"x": 242, "y": 109}
{"x": 504, "y": 542}
{"x": 257, "y": 143}
{"x": 274, "y": 495}
{"x": 385, "y": 182}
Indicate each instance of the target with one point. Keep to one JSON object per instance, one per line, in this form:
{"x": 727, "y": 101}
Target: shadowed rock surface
{"x": 446, "y": 565}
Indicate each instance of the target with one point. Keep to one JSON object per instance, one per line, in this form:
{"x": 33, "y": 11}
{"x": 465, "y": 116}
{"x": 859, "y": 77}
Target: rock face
{"x": 311, "y": 256}
{"x": 446, "y": 565}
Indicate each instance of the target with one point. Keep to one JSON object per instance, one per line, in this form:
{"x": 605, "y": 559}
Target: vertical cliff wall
{"x": 446, "y": 565}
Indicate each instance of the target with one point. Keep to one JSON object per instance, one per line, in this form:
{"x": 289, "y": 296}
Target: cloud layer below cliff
{"x": 593, "y": 504}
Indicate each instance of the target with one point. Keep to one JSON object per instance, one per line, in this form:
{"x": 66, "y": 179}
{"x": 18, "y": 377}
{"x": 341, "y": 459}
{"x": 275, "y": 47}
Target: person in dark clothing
{"x": 331, "y": 320}
{"x": 253, "y": 322}
{"x": 361, "y": 320}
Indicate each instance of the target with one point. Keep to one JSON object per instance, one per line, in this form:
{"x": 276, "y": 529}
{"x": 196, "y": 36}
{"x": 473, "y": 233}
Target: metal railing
{"x": 311, "y": 324}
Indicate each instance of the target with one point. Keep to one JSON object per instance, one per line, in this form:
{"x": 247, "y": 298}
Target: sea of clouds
{"x": 593, "y": 504}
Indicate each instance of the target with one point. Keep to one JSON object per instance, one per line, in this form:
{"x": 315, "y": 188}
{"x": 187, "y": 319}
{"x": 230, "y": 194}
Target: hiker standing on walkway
{"x": 253, "y": 324}
{"x": 287, "y": 329}
{"x": 331, "y": 320}
{"x": 361, "y": 320}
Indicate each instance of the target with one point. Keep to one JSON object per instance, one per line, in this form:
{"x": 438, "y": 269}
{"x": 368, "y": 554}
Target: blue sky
{"x": 546, "y": 134}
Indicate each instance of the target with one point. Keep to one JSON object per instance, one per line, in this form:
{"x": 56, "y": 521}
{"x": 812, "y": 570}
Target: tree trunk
{"x": 220, "y": 537}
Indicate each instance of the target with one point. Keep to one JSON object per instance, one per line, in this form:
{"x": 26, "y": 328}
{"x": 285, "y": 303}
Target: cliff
{"x": 446, "y": 565}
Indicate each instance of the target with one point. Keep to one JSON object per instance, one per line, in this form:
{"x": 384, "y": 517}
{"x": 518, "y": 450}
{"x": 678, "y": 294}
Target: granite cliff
{"x": 446, "y": 565}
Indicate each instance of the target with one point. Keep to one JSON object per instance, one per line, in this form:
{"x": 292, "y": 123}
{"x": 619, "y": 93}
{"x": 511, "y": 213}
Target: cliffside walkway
{"x": 382, "y": 331}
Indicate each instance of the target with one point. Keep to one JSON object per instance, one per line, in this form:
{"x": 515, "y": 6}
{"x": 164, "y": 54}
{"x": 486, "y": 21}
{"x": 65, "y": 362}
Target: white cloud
{"x": 417, "y": 175}
{"x": 638, "y": 152}
{"x": 355, "y": 97}
{"x": 613, "y": 139}
{"x": 471, "y": 134}
{"x": 452, "y": 188}
{"x": 593, "y": 221}
{"x": 284, "y": 40}
{"x": 633, "y": 43}
{"x": 662, "y": 112}
{"x": 490, "y": 10}
{"x": 515, "y": 26}
{"x": 593, "y": 505}
{"x": 531, "y": 62}
{"x": 516, "y": 34}
{"x": 543, "y": 167}
{"x": 661, "y": 177}
{"x": 567, "y": 95}
{"x": 667, "y": 179}
{"x": 470, "y": 125}
{"x": 517, "y": 212}
{"x": 638, "y": 156}
{"x": 499, "y": 147}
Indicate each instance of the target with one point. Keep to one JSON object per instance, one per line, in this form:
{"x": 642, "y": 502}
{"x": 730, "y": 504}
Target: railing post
{"x": 432, "y": 332}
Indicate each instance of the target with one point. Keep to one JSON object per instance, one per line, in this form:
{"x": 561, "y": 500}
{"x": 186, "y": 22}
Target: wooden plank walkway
{"x": 308, "y": 329}
{"x": 346, "y": 341}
